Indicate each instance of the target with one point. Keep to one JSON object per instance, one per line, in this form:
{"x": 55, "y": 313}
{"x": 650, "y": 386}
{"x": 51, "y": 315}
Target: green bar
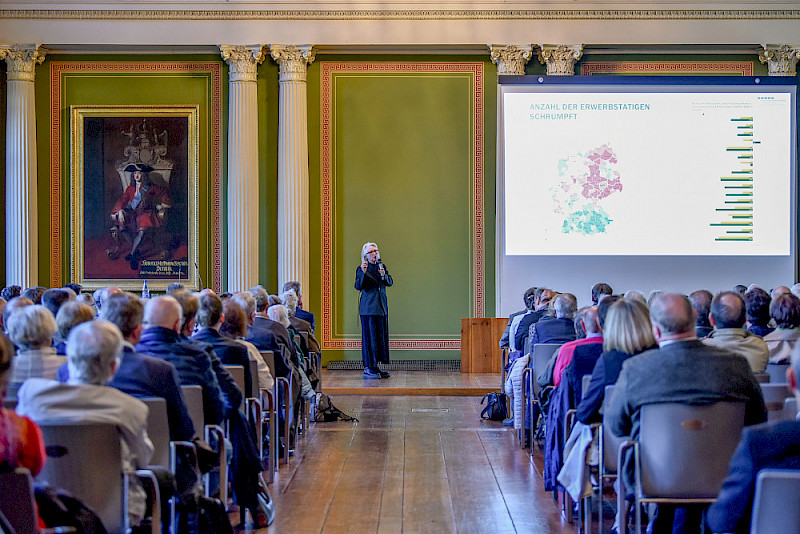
{"x": 739, "y": 186}
{"x": 734, "y": 239}
{"x": 746, "y": 126}
{"x": 738, "y": 194}
{"x": 743, "y": 119}
{"x": 741, "y": 216}
{"x": 745, "y": 171}
{"x": 743, "y": 156}
{"x": 732, "y": 224}
{"x": 739, "y": 232}
{"x": 739, "y": 149}
{"x": 738, "y": 202}
{"x": 734, "y": 209}
{"x": 744, "y": 135}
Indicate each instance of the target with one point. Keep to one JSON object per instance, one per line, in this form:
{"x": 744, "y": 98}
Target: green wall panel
{"x": 137, "y": 88}
{"x": 402, "y": 176}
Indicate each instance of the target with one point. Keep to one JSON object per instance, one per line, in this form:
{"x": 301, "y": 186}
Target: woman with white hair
{"x": 31, "y": 329}
{"x": 279, "y": 314}
{"x": 94, "y": 349}
{"x": 372, "y": 279}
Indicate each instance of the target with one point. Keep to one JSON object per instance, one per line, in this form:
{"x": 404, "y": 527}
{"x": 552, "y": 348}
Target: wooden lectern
{"x": 480, "y": 352}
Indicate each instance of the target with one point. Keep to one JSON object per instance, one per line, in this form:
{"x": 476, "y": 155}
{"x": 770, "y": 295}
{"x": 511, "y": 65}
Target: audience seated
{"x": 778, "y": 291}
{"x": 558, "y": 329}
{"x": 765, "y": 446}
{"x": 682, "y": 370}
{"x": 599, "y": 291}
{"x": 728, "y": 317}
{"x": 10, "y": 292}
{"x": 279, "y": 314}
{"x": 93, "y": 351}
{"x": 594, "y": 336}
{"x": 290, "y": 300}
{"x": 627, "y": 332}
{"x": 34, "y": 293}
{"x": 161, "y": 339}
{"x": 21, "y": 442}
{"x": 300, "y": 313}
{"x": 785, "y": 311}
{"x": 266, "y": 334}
{"x": 540, "y": 308}
{"x": 757, "y": 302}
{"x": 53, "y": 299}
{"x": 31, "y": 329}
{"x": 701, "y": 304}
{"x": 234, "y": 326}
{"x": 69, "y": 316}
{"x": 230, "y": 352}
{"x": 584, "y": 357}
{"x": 13, "y": 305}
{"x": 526, "y": 298}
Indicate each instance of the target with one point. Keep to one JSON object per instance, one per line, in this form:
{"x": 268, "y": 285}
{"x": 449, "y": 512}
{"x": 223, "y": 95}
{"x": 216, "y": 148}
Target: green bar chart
{"x": 738, "y": 206}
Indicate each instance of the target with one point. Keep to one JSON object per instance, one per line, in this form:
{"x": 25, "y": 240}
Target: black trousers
{"x": 374, "y": 340}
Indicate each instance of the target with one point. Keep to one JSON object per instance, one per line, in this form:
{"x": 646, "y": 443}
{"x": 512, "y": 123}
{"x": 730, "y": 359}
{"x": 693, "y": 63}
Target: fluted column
{"x": 510, "y": 59}
{"x": 560, "y": 59}
{"x": 242, "y": 164}
{"x": 781, "y": 60}
{"x": 293, "y": 248}
{"x": 22, "y": 251}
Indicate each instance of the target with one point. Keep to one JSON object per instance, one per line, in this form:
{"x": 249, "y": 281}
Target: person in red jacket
{"x": 141, "y": 209}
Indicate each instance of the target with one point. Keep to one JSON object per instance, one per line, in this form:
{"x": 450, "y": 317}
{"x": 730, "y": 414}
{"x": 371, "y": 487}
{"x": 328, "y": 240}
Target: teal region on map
{"x": 586, "y": 178}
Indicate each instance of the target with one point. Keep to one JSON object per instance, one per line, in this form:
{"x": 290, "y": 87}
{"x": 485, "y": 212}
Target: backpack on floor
{"x": 495, "y": 406}
{"x": 327, "y": 412}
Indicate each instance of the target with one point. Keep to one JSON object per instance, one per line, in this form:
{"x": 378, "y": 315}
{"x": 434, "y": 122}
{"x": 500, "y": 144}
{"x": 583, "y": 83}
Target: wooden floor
{"x": 411, "y": 383}
{"x": 413, "y": 464}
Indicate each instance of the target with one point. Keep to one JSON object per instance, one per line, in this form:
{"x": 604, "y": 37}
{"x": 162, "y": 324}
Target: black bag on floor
{"x": 327, "y": 412}
{"x": 212, "y": 517}
{"x": 58, "y": 508}
{"x": 495, "y": 406}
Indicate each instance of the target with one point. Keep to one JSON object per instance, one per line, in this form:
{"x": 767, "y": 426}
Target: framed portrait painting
{"x": 133, "y": 213}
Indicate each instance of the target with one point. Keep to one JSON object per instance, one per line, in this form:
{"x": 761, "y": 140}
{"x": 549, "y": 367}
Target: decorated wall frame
{"x": 129, "y": 226}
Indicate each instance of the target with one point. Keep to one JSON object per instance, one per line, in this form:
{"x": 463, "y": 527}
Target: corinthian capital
{"x": 22, "y": 60}
{"x": 242, "y": 61}
{"x": 781, "y": 60}
{"x": 510, "y": 59}
{"x": 293, "y": 60}
{"x": 560, "y": 59}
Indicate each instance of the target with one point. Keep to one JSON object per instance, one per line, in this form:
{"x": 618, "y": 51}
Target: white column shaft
{"x": 242, "y": 185}
{"x": 22, "y": 259}
{"x": 293, "y": 226}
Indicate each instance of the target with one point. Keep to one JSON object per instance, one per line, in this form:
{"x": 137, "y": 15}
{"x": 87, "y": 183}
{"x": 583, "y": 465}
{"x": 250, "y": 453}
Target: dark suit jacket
{"x": 306, "y": 316}
{"x": 605, "y": 373}
{"x": 373, "y": 290}
{"x": 230, "y": 391}
{"x": 192, "y": 364}
{"x": 684, "y": 372}
{"x": 763, "y": 446}
{"x": 262, "y": 334}
{"x": 757, "y": 330}
{"x": 703, "y": 331}
{"x": 553, "y": 330}
{"x": 525, "y": 324}
{"x": 142, "y": 376}
{"x": 230, "y": 352}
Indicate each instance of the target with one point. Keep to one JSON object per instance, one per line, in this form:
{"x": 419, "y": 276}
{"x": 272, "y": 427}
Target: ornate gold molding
{"x": 560, "y": 59}
{"x": 405, "y": 14}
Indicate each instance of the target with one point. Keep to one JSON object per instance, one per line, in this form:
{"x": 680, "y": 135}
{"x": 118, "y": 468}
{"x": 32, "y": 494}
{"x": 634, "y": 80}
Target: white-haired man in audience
{"x": 558, "y": 329}
{"x": 728, "y": 317}
{"x": 681, "y": 370}
{"x": 93, "y": 352}
{"x": 300, "y": 313}
{"x": 768, "y": 446}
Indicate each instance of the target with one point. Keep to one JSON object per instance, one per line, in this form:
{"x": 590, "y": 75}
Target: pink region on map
{"x": 601, "y": 180}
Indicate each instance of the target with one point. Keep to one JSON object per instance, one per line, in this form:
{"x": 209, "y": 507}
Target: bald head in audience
{"x": 590, "y": 320}
{"x": 672, "y": 317}
{"x": 780, "y": 290}
{"x": 164, "y": 312}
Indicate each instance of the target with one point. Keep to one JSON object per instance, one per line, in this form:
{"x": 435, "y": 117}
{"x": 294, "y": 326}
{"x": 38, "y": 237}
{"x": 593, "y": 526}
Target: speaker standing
{"x": 372, "y": 279}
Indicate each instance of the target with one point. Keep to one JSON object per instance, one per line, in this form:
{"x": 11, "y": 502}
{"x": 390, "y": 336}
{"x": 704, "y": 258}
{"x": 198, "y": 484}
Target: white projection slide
{"x": 648, "y": 173}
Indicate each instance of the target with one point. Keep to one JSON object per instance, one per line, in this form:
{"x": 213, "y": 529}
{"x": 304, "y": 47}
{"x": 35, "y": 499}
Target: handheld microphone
{"x": 380, "y": 266}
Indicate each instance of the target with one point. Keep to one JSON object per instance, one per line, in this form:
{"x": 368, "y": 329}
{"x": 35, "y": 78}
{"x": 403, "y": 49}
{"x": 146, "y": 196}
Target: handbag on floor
{"x": 326, "y": 412}
{"x": 495, "y": 406}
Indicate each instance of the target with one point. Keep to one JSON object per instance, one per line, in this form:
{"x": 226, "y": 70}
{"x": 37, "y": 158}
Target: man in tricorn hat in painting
{"x": 140, "y": 210}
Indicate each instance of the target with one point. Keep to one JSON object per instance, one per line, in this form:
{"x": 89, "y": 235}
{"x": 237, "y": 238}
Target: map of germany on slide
{"x": 586, "y": 179}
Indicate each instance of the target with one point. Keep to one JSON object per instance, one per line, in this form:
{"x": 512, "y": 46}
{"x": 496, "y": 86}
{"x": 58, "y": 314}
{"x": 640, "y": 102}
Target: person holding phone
{"x": 372, "y": 279}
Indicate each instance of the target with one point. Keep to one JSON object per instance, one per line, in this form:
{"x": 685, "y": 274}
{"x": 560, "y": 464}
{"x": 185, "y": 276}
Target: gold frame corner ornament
{"x": 76, "y": 202}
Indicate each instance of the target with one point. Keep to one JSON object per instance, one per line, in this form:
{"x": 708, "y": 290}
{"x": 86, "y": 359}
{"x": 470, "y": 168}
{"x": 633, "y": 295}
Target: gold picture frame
{"x": 134, "y": 173}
